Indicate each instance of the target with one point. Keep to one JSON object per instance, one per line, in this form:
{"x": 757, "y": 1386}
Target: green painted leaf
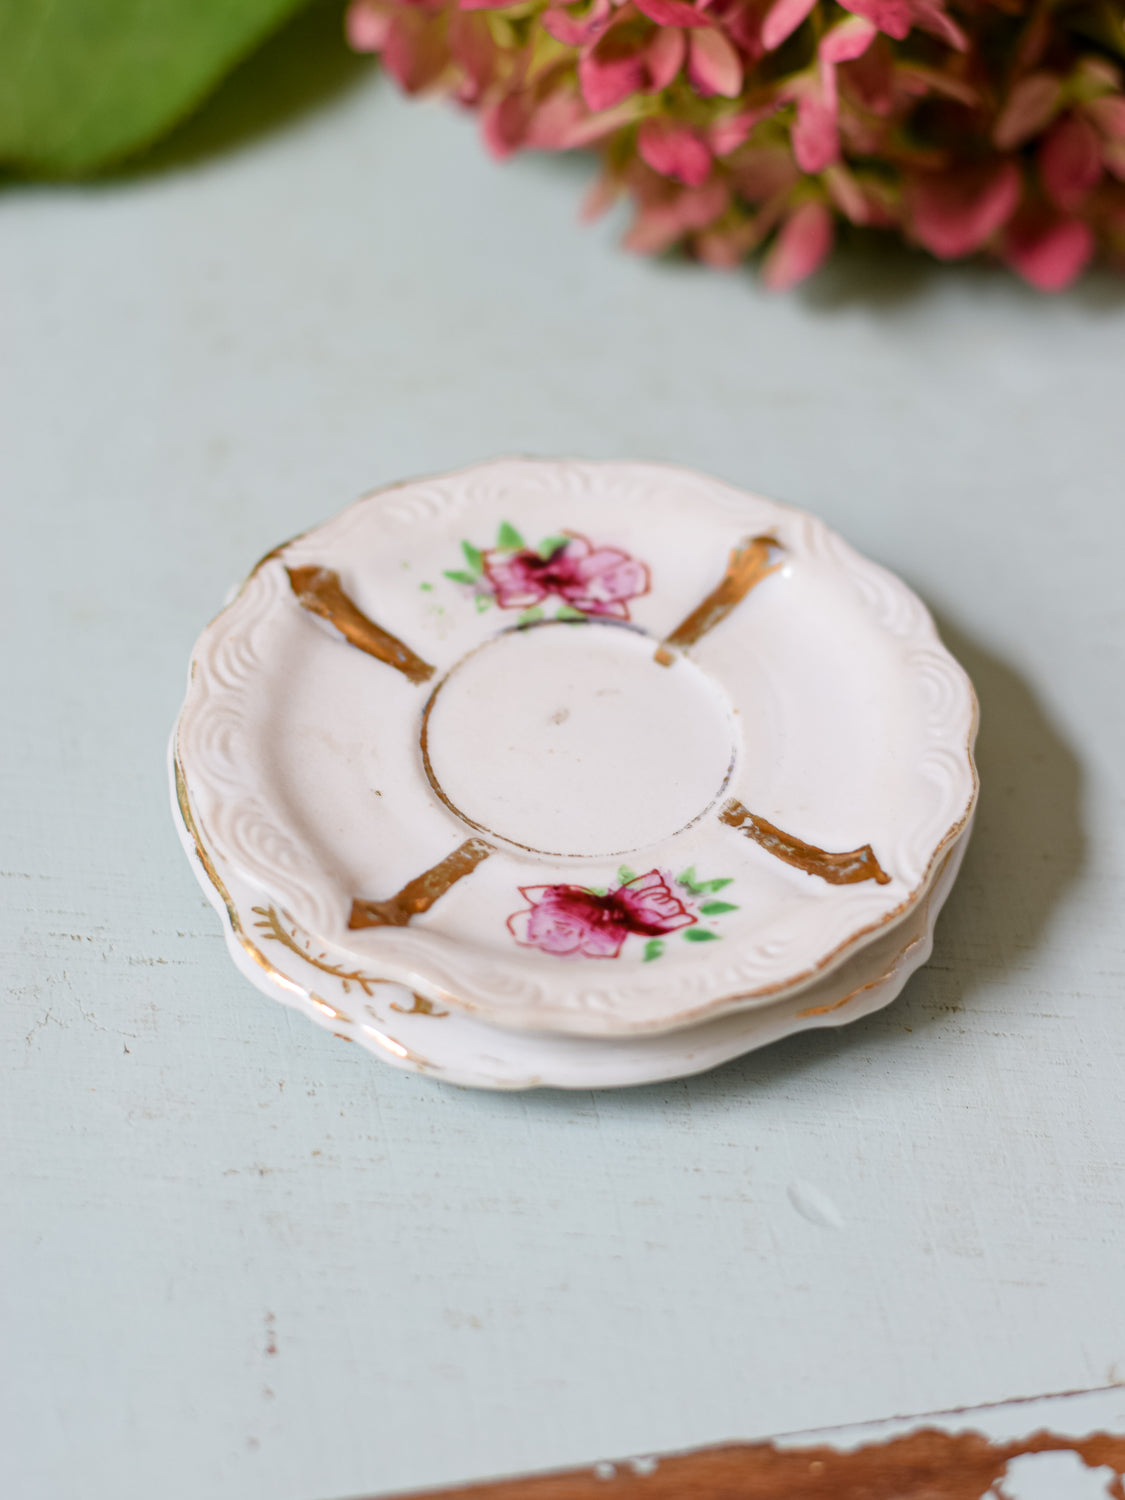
{"x": 716, "y": 908}
{"x": 625, "y": 875}
{"x": 550, "y": 545}
{"x": 508, "y": 538}
{"x": 700, "y": 935}
{"x": 689, "y": 882}
{"x": 89, "y": 82}
{"x": 568, "y": 612}
{"x": 530, "y": 616}
{"x": 458, "y": 575}
{"x": 473, "y": 558}
{"x": 427, "y": 588}
{"x": 653, "y": 949}
{"x": 716, "y": 885}
{"x": 482, "y": 602}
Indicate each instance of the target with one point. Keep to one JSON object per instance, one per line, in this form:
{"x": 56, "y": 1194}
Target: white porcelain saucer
{"x": 602, "y": 750}
{"x": 411, "y": 1033}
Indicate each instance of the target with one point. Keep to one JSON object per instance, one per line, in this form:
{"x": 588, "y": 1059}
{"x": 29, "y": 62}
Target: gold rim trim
{"x": 387, "y": 1042}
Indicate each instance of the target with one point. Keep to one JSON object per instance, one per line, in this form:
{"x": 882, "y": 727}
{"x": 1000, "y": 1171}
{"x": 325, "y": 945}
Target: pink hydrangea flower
{"x": 595, "y": 580}
{"x": 744, "y": 127}
{"x": 569, "y": 919}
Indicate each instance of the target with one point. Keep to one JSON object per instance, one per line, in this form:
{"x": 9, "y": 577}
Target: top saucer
{"x": 587, "y": 748}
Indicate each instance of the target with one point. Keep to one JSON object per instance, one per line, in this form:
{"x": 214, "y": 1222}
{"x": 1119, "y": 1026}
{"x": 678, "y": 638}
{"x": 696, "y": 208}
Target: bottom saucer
{"x": 412, "y": 1033}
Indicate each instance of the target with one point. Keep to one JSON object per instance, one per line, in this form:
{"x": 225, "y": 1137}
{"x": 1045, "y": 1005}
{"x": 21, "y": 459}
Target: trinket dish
{"x": 604, "y": 750}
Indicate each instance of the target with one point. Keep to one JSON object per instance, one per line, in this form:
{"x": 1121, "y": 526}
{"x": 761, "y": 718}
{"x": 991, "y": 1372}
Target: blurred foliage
{"x": 86, "y": 83}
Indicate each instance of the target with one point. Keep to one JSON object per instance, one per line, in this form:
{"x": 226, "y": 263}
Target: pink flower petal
{"x": 764, "y": 172}
{"x": 938, "y": 23}
{"x": 1029, "y": 109}
{"x": 674, "y": 151}
{"x": 731, "y": 131}
{"x": 554, "y": 122}
{"x": 608, "y": 76}
{"x": 782, "y": 20}
{"x": 671, "y": 13}
{"x": 847, "y": 41}
{"x": 815, "y": 137}
{"x": 1108, "y": 114}
{"x": 577, "y": 31}
{"x": 414, "y": 53}
{"x": 714, "y": 67}
{"x": 665, "y": 56}
{"x": 366, "y": 28}
{"x": 895, "y": 17}
{"x": 802, "y": 245}
{"x": 650, "y": 906}
{"x": 1070, "y": 162}
{"x": 504, "y": 124}
{"x": 1050, "y": 256}
{"x": 954, "y": 213}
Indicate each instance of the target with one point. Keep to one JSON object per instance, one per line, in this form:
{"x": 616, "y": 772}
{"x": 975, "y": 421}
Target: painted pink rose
{"x": 595, "y": 580}
{"x": 568, "y": 919}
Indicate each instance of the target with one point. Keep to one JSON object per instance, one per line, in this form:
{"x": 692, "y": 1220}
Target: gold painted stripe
{"x": 749, "y": 564}
{"x": 837, "y": 869}
{"x": 419, "y": 894}
{"x": 319, "y": 591}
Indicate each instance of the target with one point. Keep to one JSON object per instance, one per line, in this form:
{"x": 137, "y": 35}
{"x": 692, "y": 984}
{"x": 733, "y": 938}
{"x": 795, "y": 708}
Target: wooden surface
{"x": 240, "y": 1259}
{"x": 1056, "y": 1448}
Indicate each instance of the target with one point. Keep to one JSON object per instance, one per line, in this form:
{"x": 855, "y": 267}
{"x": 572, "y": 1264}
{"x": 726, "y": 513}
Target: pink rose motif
{"x": 594, "y": 580}
{"x": 568, "y": 919}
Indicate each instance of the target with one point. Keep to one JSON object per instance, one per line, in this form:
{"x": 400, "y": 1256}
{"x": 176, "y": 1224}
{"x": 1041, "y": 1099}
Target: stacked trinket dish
{"x": 574, "y": 774}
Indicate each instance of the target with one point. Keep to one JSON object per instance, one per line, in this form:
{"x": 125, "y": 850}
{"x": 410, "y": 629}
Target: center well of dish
{"x": 571, "y": 739}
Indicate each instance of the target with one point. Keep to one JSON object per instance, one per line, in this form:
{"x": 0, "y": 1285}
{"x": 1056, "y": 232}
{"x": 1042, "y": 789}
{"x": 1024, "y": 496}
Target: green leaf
{"x": 653, "y": 949}
{"x": 427, "y": 588}
{"x": 568, "y": 612}
{"x": 716, "y": 908}
{"x": 688, "y": 881}
{"x": 88, "y": 82}
{"x": 530, "y": 616}
{"x": 550, "y": 545}
{"x": 482, "y": 602}
{"x": 716, "y": 885}
{"x": 508, "y": 538}
{"x": 625, "y": 875}
{"x": 700, "y": 935}
{"x": 460, "y": 576}
{"x": 473, "y": 558}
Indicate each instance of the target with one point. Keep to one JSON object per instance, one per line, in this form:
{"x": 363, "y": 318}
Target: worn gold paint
{"x": 838, "y": 869}
{"x": 420, "y": 1007}
{"x": 272, "y": 925}
{"x": 749, "y": 564}
{"x": 319, "y": 591}
{"x": 419, "y": 894}
{"x": 237, "y": 928}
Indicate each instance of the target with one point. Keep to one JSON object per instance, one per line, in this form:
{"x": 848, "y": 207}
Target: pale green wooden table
{"x": 241, "y": 1260}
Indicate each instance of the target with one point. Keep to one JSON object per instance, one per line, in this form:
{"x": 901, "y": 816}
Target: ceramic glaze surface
{"x": 571, "y": 739}
{"x": 591, "y": 748}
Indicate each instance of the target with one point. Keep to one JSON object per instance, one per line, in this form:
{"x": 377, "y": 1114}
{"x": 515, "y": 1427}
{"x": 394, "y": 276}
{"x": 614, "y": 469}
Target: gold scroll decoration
{"x": 838, "y": 869}
{"x": 749, "y": 564}
{"x": 319, "y": 591}
{"x": 419, "y": 894}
